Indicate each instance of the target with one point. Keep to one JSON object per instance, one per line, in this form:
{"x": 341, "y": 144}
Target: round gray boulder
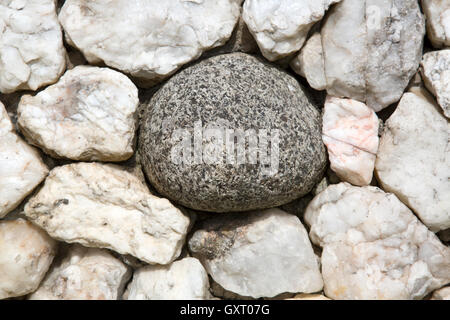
{"x": 232, "y": 133}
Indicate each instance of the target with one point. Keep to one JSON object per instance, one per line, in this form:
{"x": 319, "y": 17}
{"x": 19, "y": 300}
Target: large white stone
{"x": 148, "y": 39}
{"x": 436, "y": 75}
{"x": 88, "y": 115}
{"x": 21, "y": 167}
{"x": 104, "y": 206}
{"x": 259, "y": 254}
{"x": 185, "y": 279}
{"x": 280, "y": 27}
{"x": 372, "y": 49}
{"x": 31, "y": 48}
{"x": 438, "y": 21}
{"x": 350, "y": 132}
{"x": 26, "y": 253}
{"x": 373, "y": 246}
{"x": 84, "y": 274}
{"x": 413, "y": 159}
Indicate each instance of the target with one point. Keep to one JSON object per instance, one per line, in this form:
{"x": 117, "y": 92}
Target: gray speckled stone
{"x": 233, "y": 91}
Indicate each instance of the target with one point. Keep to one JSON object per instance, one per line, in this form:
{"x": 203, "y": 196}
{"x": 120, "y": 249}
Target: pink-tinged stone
{"x": 350, "y": 132}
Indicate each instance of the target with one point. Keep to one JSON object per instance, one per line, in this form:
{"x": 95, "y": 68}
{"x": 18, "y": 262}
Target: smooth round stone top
{"x": 232, "y": 133}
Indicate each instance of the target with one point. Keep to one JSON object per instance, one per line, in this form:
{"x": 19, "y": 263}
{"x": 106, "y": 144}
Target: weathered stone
{"x": 259, "y": 254}
{"x": 199, "y": 137}
{"x": 148, "y": 39}
{"x": 84, "y": 274}
{"x": 88, "y": 115}
{"x": 438, "y": 21}
{"x": 104, "y": 206}
{"x": 184, "y": 279}
{"x": 441, "y": 294}
{"x": 373, "y": 246}
{"x": 26, "y": 253}
{"x": 21, "y": 167}
{"x": 350, "y": 132}
{"x": 414, "y": 157}
{"x": 436, "y": 75}
{"x": 280, "y": 27}
{"x": 305, "y": 296}
{"x": 31, "y": 48}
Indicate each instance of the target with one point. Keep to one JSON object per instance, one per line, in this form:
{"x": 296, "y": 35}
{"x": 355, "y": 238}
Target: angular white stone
{"x": 373, "y": 246}
{"x": 88, "y": 115}
{"x": 148, "y": 39}
{"x": 441, "y": 294}
{"x": 26, "y": 253}
{"x": 350, "y": 132}
{"x": 84, "y": 274}
{"x": 280, "y": 27}
{"x": 31, "y": 48}
{"x": 104, "y": 206}
{"x": 436, "y": 75}
{"x": 21, "y": 167}
{"x": 260, "y": 254}
{"x": 438, "y": 21}
{"x": 413, "y": 159}
{"x": 309, "y": 63}
{"x": 372, "y": 49}
{"x": 185, "y": 279}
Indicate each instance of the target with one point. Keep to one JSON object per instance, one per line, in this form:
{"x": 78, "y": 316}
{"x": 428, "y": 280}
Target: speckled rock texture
{"x": 82, "y": 273}
{"x": 31, "y": 45}
{"x": 259, "y": 254}
{"x": 220, "y": 170}
{"x": 374, "y": 247}
{"x": 26, "y": 253}
{"x": 184, "y": 279}
{"x": 438, "y": 21}
{"x": 413, "y": 159}
{"x": 149, "y": 39}
{"x": 21, "y": 166}
{"x": 88, "y": 115}
{"x": 103, "y": 206}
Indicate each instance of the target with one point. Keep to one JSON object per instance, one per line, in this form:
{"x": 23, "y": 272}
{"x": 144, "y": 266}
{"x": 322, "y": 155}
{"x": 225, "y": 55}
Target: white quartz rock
{"x": 373, "y": 246}
{"x": 350, "y": 132}
{"x": 309, "y": 63}
{"x": 148, "y": 39}
{"x": 104, "y": 206}
{"x": 184, "y": 279}
{"x": 88, "y": 115}
{"x": 280, "y": 27}
{"x": 21, "y": 167}
{"x": 84, "y": 274}
{"x": 26, "y": 253}
{"x": 436, "y": 74}
{"x": 441, "y": 294}
{"x": 413, "y": 159}
{"x": 259, "y": 254}
{"x": 372, "y": 49}
{"x": 438, "y": 21}
{"x": 31, "y": 48}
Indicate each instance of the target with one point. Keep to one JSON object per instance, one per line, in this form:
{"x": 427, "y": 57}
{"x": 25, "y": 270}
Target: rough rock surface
{"x": 350, "y": 132}
{"x": 373, "y": 246}
{"x": 26, "y": 253}
{"x": 199, "y": 137}
{"x": 372, "y": 49}
{"x": 436, "y": 75}
{"x": 31, "y": 47}
{"x": 88, "y": 115}
{"x": 21, "y": 167}
{"x": 148, "y": 39}
{"x": 84, "y": 274}
{"x": 184, "y": 279}
{"x": 414, "y": 157}
{"x": 280, "y": 27}
{"x": 305, "y": 296}
{"x": 104, "y": 206}
{"x": 441, "y": 294}
{"x": 309, "y": 63}
{"x": 259, "y": 254}
{"x": 438, "y": 21}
